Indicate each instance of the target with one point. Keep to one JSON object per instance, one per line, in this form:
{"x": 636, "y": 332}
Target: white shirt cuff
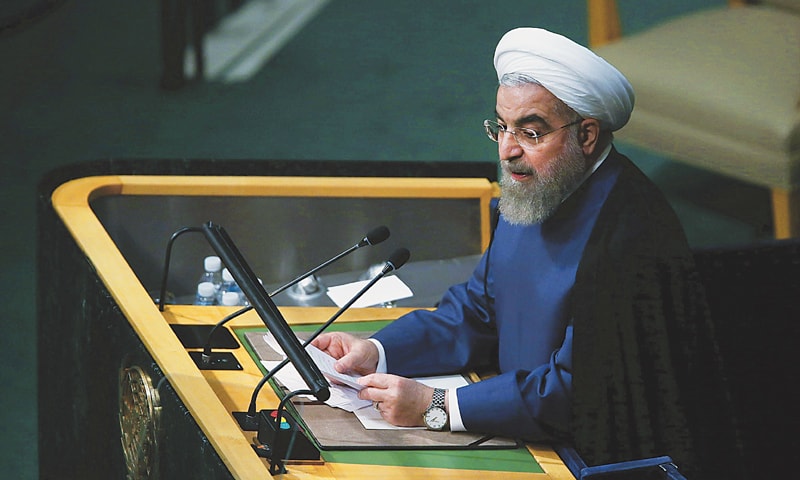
{"x": 456, "y": 425}
{"x": 381, "y": 368}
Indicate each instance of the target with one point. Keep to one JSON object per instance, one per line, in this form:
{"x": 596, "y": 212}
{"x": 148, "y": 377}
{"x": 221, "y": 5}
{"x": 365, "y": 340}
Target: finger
{"x": 376, "y": 380}
{"x": 366, "y": 380}
{"x": 368, "y": 394}
{"x": 345, "y": 364}
{"x": 322, "y": 342}
{"x": 364, "y": 393}
{"x": 373, "y": 393}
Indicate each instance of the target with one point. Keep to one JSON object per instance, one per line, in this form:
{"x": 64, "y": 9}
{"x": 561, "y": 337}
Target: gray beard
{"x": 536, "y": 200}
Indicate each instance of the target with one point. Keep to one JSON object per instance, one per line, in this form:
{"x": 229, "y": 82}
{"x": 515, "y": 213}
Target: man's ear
{"x": 589, "y": 136}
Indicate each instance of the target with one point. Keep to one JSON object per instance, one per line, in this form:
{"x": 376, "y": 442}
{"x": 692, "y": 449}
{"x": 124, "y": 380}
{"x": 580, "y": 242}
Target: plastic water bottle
{"x": 205, "y": 294}
{"x": 229, "y": 285}
{"x": 212, "y": 272}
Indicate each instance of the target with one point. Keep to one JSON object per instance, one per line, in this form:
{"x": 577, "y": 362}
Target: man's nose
{"x": 508, "y": 147}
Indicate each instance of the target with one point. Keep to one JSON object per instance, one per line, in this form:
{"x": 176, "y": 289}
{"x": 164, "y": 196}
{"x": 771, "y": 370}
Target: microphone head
{"x": 397, "y": 259}
{"x": 375, "y": 236}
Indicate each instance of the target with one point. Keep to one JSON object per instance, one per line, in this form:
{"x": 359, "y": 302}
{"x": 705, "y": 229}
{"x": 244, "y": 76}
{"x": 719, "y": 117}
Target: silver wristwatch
{"x": 435, "y": 416}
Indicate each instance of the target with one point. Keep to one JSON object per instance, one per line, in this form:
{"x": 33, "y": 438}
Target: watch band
{"x": 435, "y": 416}
{"x": 438, "y": 398}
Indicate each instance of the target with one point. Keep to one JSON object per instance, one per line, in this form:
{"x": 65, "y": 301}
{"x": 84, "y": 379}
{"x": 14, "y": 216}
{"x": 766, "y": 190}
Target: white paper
{"x": 346, "y": 398}
{"x": 342, "y": 396}
{"x": 387, "y": 289}
{"x": 287, "y": 376}
{"x": 325, "y": 363}
{"x": 371, "y": 420}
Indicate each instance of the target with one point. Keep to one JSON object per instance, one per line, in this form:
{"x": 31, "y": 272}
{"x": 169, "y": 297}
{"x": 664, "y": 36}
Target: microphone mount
{"x": 221, "y": 338}
{"x": 266, "y": 309}
{"x": 222, "y": 244}
{"x": 207, "y": 360}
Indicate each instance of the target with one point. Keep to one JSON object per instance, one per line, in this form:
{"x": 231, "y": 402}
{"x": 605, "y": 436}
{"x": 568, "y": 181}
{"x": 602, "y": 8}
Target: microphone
{"x": 397, "y": 259}
{"x": 219, "y": 240}
{"x": 373, "y": 237}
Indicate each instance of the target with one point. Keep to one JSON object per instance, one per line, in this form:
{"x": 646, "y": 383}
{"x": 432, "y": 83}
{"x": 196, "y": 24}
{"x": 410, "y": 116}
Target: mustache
{"x": 507, "y": 169}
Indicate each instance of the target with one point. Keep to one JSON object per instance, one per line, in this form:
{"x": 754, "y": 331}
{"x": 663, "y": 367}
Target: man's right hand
{"x": 352, "y": 354}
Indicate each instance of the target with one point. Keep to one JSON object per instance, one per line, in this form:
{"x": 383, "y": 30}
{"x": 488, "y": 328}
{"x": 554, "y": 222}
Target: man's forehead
{"x": 528, "y": 103}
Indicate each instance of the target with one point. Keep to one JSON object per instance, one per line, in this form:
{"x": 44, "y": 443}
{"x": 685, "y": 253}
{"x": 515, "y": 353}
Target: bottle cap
{"x": 205, "y": 289}
{"x": 212, "y": 264}
{"x": 226, "y": 275}
{"x": 230, "y": 298}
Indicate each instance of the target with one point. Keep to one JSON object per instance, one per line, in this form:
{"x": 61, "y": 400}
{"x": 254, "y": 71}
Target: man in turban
{"x": 586, "y": 301}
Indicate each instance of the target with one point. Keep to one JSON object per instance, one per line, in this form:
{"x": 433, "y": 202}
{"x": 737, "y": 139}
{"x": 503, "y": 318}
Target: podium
{"x": 119, "y": 395}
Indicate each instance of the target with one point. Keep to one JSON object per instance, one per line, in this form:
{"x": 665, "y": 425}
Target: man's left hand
{"x": 400, "y": 400}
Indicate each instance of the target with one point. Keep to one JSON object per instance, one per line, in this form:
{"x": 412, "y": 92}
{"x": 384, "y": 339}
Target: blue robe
{"x": 521, "y": 324}
{"x": 596, "y": 324}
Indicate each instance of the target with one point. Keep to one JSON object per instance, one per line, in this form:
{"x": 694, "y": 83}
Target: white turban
{"x": 571, "y": 72}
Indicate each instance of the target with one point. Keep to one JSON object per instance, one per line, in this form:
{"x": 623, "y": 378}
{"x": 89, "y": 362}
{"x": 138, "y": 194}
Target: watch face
{"x": 435, "y": 418}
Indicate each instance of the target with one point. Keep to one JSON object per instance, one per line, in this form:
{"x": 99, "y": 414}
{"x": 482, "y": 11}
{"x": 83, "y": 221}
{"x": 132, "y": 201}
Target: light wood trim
{"x": 604, "y": 23}
{"x": 786, "y": 212}
{"x": 550, "y": 462}
{"x": 370, "y": 187}
{"x": 77, "y": 191}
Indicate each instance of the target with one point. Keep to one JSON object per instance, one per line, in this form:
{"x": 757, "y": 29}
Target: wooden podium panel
{"x": 120, "y": 396}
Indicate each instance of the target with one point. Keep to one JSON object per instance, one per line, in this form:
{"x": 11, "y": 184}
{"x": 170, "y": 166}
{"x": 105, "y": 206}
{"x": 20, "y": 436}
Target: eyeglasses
{"x": 525, "y": 137}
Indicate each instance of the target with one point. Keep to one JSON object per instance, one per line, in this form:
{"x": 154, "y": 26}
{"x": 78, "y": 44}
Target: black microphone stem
{"x": 207, "y": 347}
{"x": 373, "y": 237}
{"x": 345, "y": 307}
{"x": 251, "y": 410}
{"x": 398, "y": 258}
{"x": 206, "y": 356}
{"x": 167, "y": 256}
{"x": 284, "y": 401}
{"x": 315, "y": 269}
